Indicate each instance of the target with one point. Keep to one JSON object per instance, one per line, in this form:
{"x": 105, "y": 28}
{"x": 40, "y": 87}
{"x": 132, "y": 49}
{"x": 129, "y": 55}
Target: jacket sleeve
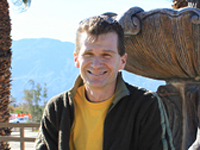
{"x": 155, "y": 133}
{"x": 48, "y": 132}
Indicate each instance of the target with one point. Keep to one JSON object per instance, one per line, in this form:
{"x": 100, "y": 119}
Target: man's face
{"x": 99, "y": 60}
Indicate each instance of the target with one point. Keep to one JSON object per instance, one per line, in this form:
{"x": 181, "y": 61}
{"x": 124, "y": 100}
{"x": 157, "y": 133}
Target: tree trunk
{"x": 5, "y": 65}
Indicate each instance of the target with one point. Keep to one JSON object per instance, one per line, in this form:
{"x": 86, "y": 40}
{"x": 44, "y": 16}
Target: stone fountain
{"x": 164, "y": 44}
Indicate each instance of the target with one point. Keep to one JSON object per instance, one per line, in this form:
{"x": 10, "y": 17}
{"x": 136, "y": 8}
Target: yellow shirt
{"x": 87, "y": 129}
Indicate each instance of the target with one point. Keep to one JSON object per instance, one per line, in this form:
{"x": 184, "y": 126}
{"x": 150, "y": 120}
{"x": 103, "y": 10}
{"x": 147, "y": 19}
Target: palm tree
{"x": 184, "y": 3}
{"x": 5, "y": 63}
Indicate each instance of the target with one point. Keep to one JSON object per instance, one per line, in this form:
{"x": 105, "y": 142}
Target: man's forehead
{"x": 105, "y": 41}
{"x": 86, "y": 37}
{"x": 90, "y": 38}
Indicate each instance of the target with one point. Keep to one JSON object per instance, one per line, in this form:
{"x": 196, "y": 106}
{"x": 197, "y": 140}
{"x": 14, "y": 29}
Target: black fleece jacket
{"x": 136, "y": 120}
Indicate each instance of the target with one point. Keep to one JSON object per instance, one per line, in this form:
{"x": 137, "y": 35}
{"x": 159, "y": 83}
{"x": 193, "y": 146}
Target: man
{"x": 101, "y": 111}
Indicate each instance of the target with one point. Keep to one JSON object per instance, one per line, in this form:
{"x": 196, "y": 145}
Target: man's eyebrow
{"x": 109, "y": 51}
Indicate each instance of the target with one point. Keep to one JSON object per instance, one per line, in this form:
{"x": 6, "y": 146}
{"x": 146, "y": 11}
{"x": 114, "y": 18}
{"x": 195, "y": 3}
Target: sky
{"x": 58, "y": 19}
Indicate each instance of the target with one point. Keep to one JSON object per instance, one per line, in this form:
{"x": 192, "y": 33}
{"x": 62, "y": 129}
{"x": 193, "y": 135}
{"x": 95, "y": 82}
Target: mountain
{"x": 51, "y": 61}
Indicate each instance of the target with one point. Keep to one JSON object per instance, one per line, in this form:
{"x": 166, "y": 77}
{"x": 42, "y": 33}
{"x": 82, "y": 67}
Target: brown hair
{"x": 100, "y": 25}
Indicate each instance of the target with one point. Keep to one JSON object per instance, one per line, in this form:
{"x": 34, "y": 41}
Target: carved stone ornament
{"x": 163, "y": 43}
{"x": 181, "y": 100}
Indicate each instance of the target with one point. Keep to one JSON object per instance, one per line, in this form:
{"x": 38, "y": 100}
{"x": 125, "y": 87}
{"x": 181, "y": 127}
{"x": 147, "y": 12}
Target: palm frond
{"x": 27, "y": 2}
{"x": 22, "y": 5}
{"x": 179, "y": 4}
{"x": 184, "y": 3}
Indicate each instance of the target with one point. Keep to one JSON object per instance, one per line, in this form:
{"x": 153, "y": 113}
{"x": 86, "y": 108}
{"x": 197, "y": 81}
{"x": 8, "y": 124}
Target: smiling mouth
{"x": 97, "y": 74}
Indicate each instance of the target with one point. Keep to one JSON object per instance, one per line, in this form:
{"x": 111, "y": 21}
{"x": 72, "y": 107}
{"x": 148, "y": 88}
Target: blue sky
{"x": 58, "y": 19}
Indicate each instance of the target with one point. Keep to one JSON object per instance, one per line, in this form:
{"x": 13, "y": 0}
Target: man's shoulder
{"x": 57, "y": 99}
{"x": 140, "y": 93}
{"x": 138, "y": 89}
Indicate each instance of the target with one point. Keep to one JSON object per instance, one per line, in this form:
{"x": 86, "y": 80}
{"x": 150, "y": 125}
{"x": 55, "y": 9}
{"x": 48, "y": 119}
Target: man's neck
{"x": 96, "y": 95}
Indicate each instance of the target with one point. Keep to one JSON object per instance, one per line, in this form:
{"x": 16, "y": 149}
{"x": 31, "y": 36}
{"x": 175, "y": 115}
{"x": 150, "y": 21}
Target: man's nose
{"x": 96, "y": 62}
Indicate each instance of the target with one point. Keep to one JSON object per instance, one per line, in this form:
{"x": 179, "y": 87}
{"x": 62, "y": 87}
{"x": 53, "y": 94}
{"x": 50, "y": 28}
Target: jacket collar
{"x": 120, "y": 91}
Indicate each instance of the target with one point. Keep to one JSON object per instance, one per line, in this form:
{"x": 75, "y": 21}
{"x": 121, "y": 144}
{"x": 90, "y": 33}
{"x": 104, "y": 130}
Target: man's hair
{"x": 98, "y": 25}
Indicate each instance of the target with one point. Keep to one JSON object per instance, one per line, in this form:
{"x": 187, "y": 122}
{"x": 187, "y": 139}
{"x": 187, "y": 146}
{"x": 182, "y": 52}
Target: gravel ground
{"x": 28, "y": 145}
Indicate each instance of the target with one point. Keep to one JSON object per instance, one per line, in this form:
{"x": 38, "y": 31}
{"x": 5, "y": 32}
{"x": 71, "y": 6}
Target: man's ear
{"x": 123, "y": 61}
{"x": 76, "y": 60}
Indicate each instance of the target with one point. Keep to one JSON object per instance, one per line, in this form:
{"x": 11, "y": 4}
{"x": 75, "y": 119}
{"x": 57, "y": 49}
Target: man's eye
{"x": 107, "y": 56}
{"x": 88, "y": 54}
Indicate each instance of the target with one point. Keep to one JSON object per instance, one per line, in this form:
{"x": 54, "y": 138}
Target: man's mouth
{"x": 97, "y": 74}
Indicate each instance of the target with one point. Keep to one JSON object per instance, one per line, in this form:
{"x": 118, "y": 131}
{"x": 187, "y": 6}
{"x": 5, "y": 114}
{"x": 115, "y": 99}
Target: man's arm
{"x": 155, "y": 128}
{"x": 48, "y": 134}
